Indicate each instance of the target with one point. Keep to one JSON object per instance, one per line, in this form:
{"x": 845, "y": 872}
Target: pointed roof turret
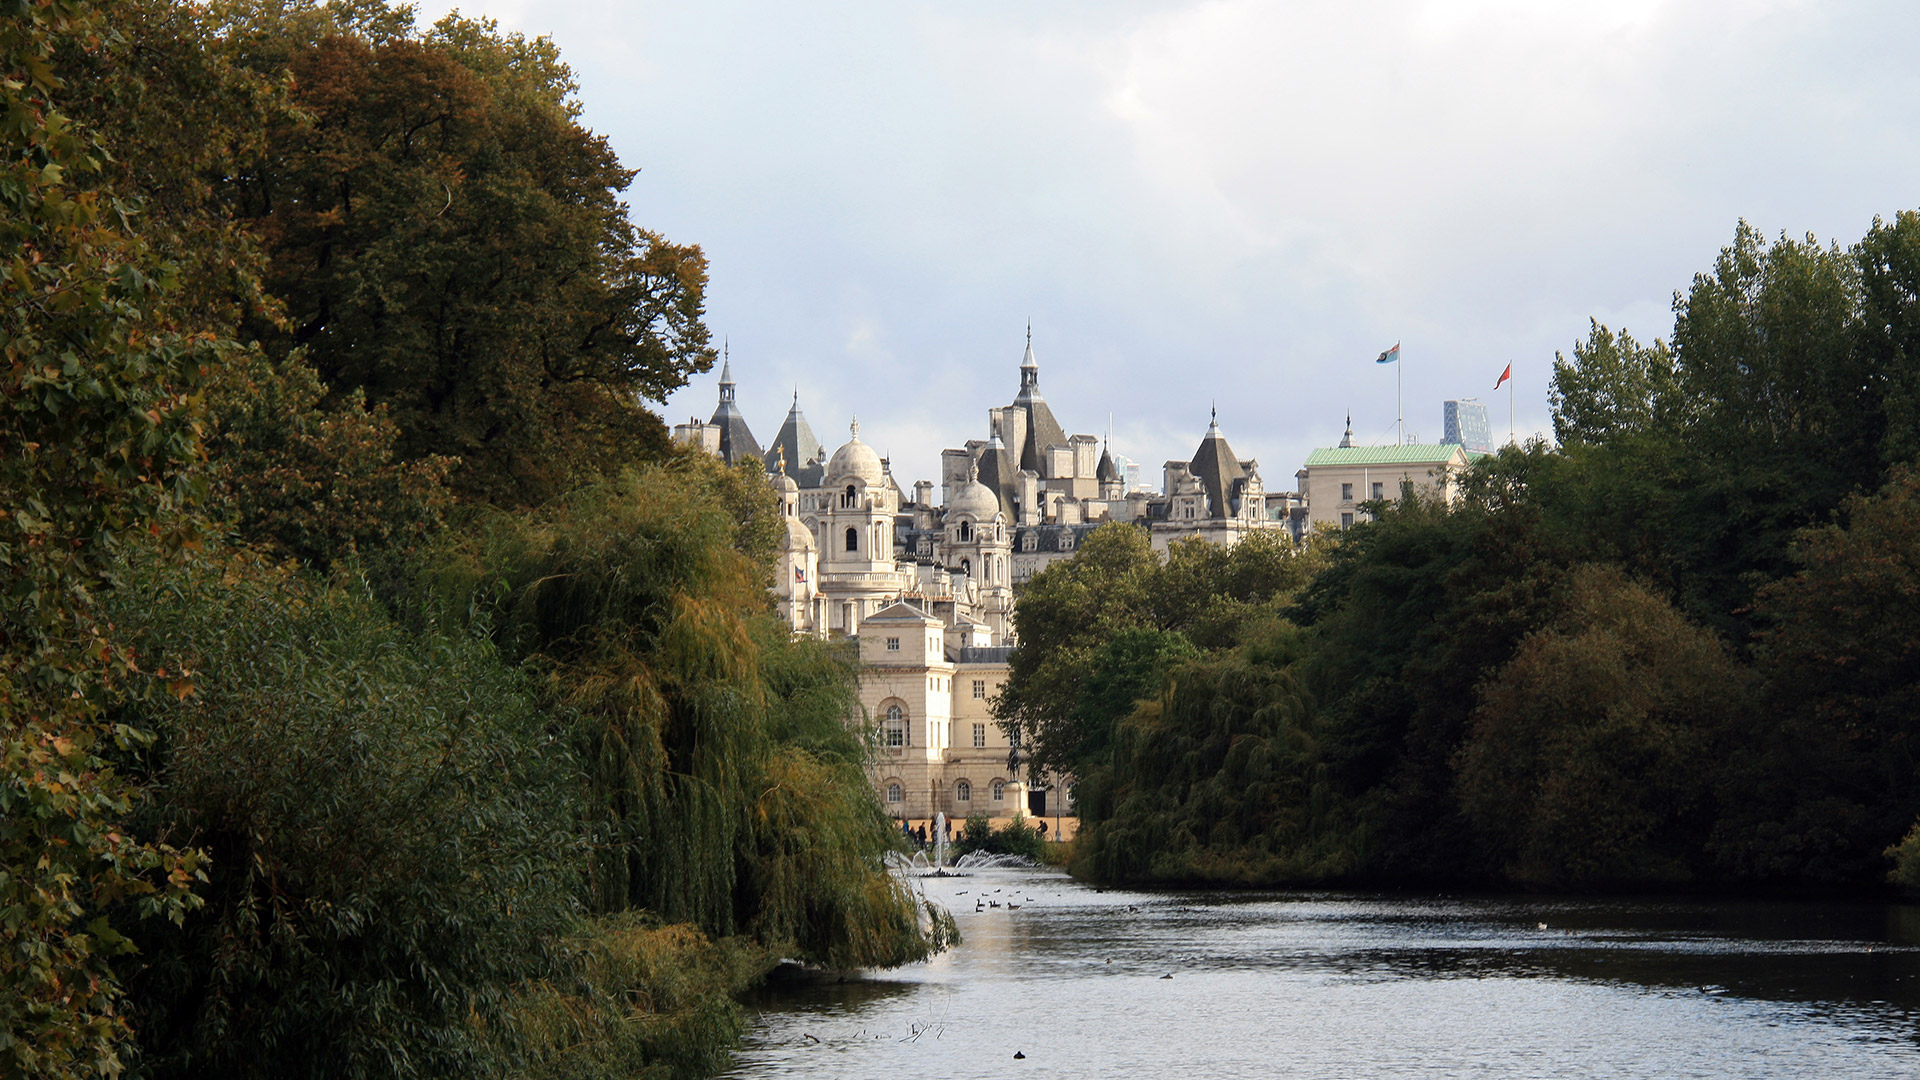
{"x": 1218, "y": 470}
{"x": 805, "y": 459}
{"x": 1346, "y": 441}
{"x": 1042, "y": 429}
{"x": 737, "y": 443}
{"x": 1108, "y": 472}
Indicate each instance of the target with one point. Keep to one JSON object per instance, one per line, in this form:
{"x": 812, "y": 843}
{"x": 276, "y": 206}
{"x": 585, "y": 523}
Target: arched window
{"x": 966, "y": 567}
{"x": 963, "y": 791}
{"x": 853, "y": 538}
{"x": 895, "y": 793}
{"x": 849, "y": 494}
{"x": 966, "y": 532}
{"x": 999, "y": 791}
{"x": 894, "y": 731}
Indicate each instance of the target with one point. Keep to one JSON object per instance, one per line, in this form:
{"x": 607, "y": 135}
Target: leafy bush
{"x": 391, "y": 822}
{"x": 1016, "y": 837}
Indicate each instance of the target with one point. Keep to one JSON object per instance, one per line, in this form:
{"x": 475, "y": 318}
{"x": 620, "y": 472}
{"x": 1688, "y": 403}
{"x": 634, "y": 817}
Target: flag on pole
{"x": 1504, "y": 376}
{"x": 1390, "y": 356}
{"x": 799, "y": 574}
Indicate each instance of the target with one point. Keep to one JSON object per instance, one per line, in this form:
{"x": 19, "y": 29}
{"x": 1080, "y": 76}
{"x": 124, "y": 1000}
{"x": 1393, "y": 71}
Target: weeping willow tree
{"x": 724, "y": 781}
{"x": 1219, "y": 778}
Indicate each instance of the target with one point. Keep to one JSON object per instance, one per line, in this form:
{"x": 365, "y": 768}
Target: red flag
{"x": 1504, "y": 376}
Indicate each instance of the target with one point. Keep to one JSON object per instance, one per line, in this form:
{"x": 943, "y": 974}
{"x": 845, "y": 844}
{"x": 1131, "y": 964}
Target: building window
{"x": 966, "y": 567}
{"x": 979, "y": 689}
{"x": 999, "y": 791}
{"x": 1379, "y": 490}
{"x": 893, "y": 644}
{"x": 896, "y": 727}
{"x": 979, "y": 736}
{"x": 1346, "y": 492}
{"x": 853, "y": 539}
{"x": 966, "y": 532}
{"x": 1346, "y": 521}
{"x": 1030, "y": 542}
{"x": 895, "y": 793}
{"x": 1066, "y": 542}
{"x": 963, "y": 791}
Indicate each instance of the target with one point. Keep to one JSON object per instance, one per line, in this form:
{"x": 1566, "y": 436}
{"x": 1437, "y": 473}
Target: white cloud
{"x": 1225, "y": 200}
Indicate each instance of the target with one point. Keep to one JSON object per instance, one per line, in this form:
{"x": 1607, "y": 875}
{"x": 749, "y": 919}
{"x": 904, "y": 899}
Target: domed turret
{"x": 856, "y": 459}
{"x": 975, "y": 498}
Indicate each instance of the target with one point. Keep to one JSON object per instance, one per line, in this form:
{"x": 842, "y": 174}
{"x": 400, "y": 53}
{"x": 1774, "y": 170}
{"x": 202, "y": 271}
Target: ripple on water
{"x": 1328, "y": 984}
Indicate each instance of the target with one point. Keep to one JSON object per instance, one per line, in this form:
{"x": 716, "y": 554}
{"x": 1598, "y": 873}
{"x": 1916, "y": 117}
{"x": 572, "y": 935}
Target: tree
{"x": 1832, "y": 775}
{"x": 723, "y": 786}
{"x": 1613, "y": 388}
{"x": 391, "y": 818}
{"x": 1583, "y": 766}
{"x": 447, "y": 240}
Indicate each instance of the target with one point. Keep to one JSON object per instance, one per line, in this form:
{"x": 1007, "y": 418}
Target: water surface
{"x": 1337, "y": 984}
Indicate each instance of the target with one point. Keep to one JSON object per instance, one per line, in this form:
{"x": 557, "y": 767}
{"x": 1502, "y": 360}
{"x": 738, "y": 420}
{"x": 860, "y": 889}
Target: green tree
{"x": 1831, "y": 777}
{"x": 100, "y": 424}
{"x": 1218, "y": 778}
{"x": 1613, "y": 388}
{"x": 445, "y": 238}
{"x": 392, "y": 821}
{"x": 719, "y": 790}
{"x": 1096, "y": 629}
{"x": 1583, "y": 766}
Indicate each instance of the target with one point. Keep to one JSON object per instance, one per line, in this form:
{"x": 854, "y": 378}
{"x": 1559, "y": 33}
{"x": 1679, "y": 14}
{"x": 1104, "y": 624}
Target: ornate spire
{"x": 1346, "y": 441}
{"x": 1029, "y": 367}
{"x": 726, "y": 373}
{"x": 855, "y": 429}
{"x": 1213, "y": 423}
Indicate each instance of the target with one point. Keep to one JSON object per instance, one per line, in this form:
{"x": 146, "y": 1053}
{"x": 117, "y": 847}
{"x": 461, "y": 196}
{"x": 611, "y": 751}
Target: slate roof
{"x": 1042, "y": 429}
{"x": 803, "y": 453}
{"x": 1108, "y": 472}
{"x": 1218, "y": 471}
{"x": 998, "y": 471}
{"x": 736, "y": 441}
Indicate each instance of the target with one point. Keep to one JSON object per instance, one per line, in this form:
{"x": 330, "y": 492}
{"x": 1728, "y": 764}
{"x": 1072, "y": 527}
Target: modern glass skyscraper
{"x": 1465, "y": 423}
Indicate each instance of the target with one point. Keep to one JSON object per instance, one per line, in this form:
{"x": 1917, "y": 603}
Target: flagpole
{"x": 1399, "y": 413}
{"x": 1512, "y": 440}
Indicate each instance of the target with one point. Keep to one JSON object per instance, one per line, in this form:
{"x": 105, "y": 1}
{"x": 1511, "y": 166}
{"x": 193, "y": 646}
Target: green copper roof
{"x": 1415, "y": 454}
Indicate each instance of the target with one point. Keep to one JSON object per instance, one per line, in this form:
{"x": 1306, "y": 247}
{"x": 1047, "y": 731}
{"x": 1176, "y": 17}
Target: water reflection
{"x": 1343, "y": 984}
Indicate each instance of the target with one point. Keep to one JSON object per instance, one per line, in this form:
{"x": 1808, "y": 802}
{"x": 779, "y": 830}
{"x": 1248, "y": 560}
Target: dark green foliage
{"x": 100, "y": 422}
{"x": 1583, "y": 764}
{"x": 1095, "y": 629}
{"x": 1216, "y": 781}
{"x": 1607, "y": 664}
{"x": 448, "y": 240}
{"x": 1016, "y": 837}
{"x": 636, "y": 1001}
{"x": 724, "y": 785}
{"x": 391, "y": 822}
{"x": 1831, "y": 775}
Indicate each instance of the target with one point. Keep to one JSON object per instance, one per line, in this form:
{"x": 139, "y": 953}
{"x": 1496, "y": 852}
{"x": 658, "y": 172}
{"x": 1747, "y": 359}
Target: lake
{"x": 1364, "y": 985}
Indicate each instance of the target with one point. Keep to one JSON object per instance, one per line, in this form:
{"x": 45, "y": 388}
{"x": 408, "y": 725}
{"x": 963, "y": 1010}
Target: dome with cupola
{"x": 856, "y": 460}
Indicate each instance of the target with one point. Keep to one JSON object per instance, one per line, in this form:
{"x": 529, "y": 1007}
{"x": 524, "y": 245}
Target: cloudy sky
{"x": 1228, "y": 202}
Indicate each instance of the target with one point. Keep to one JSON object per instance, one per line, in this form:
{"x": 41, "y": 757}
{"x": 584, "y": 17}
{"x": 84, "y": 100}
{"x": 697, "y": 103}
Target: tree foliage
{"x": 100, "y": 424}
{"x": 1094, "y": 630}
{"x": 391, "y": 820}
{"x": 725, "y": 787}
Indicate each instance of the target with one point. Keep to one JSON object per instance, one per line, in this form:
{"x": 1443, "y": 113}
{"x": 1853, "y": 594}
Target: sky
{"x": 1223, "y": 204}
